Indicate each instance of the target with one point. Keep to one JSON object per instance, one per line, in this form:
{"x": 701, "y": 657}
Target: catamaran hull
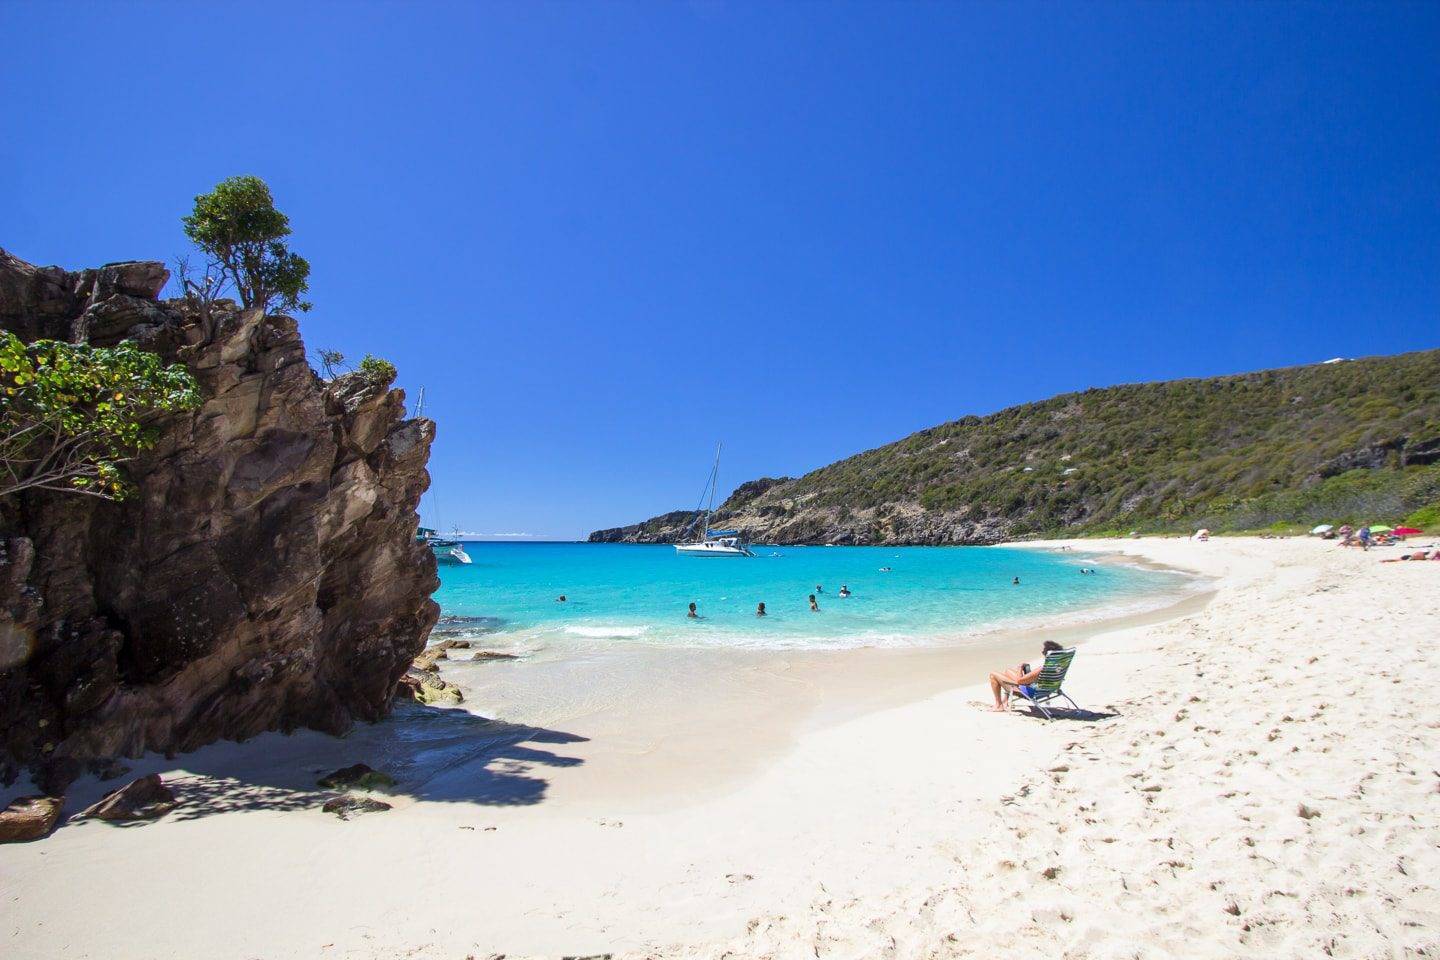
{"x": 710, "y": 550}
{"x": 451, "y": 555}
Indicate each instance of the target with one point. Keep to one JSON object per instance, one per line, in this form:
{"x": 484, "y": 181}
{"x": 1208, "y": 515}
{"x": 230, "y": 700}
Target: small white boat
{"x": 445, "y": 550}
{"x": 712, "y": 543}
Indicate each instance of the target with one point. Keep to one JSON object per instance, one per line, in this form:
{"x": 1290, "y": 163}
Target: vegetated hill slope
{"x": 1354, "y": 440}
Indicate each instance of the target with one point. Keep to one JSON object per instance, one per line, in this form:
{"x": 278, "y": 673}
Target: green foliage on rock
{"x": 72, "y": 413}
{"x": 1321, "y": 443}
{"x": 238, "y": 227}
{"x": 378, "y": 370}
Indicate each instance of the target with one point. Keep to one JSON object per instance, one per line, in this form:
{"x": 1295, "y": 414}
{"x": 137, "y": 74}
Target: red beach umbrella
{"x": 1406, "y": 531}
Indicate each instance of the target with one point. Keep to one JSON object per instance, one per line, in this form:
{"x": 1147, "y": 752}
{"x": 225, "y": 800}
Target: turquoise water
{"x": 623, "y": 592}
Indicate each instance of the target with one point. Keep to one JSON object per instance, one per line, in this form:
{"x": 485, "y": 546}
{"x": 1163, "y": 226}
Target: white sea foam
{"x": 607, "y": 633}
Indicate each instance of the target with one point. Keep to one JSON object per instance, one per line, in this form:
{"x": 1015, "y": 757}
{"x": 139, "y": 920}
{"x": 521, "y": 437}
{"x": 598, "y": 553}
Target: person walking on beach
{"x": 1020, "y": 678}
{"x": 692, "y": 614}
{"x": 814, "y": 607}
{"x": 760, "y": 609}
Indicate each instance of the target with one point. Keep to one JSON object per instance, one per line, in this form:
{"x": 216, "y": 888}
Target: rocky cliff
{"x": 1334, "y": 442}
{"x": 263, "y": 575}
{"x": 788, "y": 520}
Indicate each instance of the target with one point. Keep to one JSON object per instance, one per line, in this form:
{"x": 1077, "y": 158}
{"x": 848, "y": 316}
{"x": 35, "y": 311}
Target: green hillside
{"x": 1255, "y": 447}
{"x": 1352, "y": 440}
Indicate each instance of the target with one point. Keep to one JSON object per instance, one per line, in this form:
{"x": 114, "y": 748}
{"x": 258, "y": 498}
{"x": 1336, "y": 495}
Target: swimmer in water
{"x": 760, "y": 609}
{"x": 1016, "y": 581}
{"x": 844, "y": 591}
{"x": 884, "y": 569}
{"x": 692, "y": 614}
{"x": 819, "y": 589}
{"x": 560, "y": 599}
{"x": 814, "y": 607}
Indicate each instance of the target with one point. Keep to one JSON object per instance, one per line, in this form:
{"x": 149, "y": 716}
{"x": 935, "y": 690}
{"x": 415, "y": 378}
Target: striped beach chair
{"x": 1047, "y": 686}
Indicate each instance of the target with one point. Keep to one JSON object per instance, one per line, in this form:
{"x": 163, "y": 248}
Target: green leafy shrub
{"x": 1426, "y": 518}
{"x": 72, "y": 413}
{"x": 378, "y": 370}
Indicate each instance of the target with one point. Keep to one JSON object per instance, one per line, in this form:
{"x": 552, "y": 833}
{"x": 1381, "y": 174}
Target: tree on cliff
{"x": 239, "y": 228}
{"x": 72, "y": 413}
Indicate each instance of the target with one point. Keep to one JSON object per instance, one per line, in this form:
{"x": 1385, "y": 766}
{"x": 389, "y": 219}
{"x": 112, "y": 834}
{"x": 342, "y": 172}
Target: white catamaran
{"x": 445, "y": 549}
{"x": 712, "y": 543}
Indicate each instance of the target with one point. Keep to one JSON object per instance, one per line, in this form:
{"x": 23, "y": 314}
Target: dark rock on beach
{"x": 427, "y": 688}
{"x": 144, "y": 799}
{"x": 360, "y": 776}
{"x": 347, "y": 806}
{"x": 264, "y": 574}
{"x": 29, "y": 818}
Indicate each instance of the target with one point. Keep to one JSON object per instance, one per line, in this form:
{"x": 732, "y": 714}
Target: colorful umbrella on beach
{"x": 1407, "y": 531}
{"x": 1323, "y": 528}
{"x": 1381, "y": 528}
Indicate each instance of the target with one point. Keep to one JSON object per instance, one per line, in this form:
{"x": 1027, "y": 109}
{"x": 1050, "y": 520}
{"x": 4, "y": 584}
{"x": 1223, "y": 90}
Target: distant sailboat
{"x": 712, "y": 543}
{"x": 445, "y": 549}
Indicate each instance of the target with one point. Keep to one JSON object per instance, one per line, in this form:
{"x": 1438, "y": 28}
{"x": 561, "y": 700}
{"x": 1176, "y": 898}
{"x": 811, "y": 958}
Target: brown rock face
{"x": 29, "y": 818}
{"x": 145, "y": 799}
{"x": 264, "y": 575}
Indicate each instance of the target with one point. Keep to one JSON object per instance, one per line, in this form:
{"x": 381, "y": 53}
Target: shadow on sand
{"x": 1065, "y": 713}
{"x": 434, "y": 754}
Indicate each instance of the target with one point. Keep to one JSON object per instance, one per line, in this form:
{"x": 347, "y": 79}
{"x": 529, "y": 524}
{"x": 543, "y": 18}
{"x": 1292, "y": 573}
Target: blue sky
{"x": 606, "y": 235}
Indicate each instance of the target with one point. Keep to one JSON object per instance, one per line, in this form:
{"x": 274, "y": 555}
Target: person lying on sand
{"x": 1021, "y": 677}
{"x": 1417, "y": 555}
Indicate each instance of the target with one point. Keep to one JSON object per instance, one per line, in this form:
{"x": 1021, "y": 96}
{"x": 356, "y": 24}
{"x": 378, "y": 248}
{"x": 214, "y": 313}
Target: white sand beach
{"x": 1257, "y": 777}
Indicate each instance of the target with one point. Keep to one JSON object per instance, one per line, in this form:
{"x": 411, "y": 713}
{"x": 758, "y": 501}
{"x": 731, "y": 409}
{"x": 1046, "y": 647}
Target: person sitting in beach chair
{"x": 1036, "y": 686}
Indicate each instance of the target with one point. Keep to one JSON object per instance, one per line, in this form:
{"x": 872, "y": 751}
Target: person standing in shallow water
{"x": 692, "y": 614}
{"x": 760, "y": 609}
{"x": 814, "y": 607}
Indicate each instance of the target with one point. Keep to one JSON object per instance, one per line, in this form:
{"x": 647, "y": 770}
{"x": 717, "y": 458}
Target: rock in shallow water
{"x": 428, "y": 689}
{"x": 29, "y": 818}
{"x": 360, "y": 776}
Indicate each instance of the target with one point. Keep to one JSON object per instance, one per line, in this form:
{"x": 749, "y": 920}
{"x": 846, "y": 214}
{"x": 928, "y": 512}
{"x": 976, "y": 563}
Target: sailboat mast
{"x": 714, "y": 482}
